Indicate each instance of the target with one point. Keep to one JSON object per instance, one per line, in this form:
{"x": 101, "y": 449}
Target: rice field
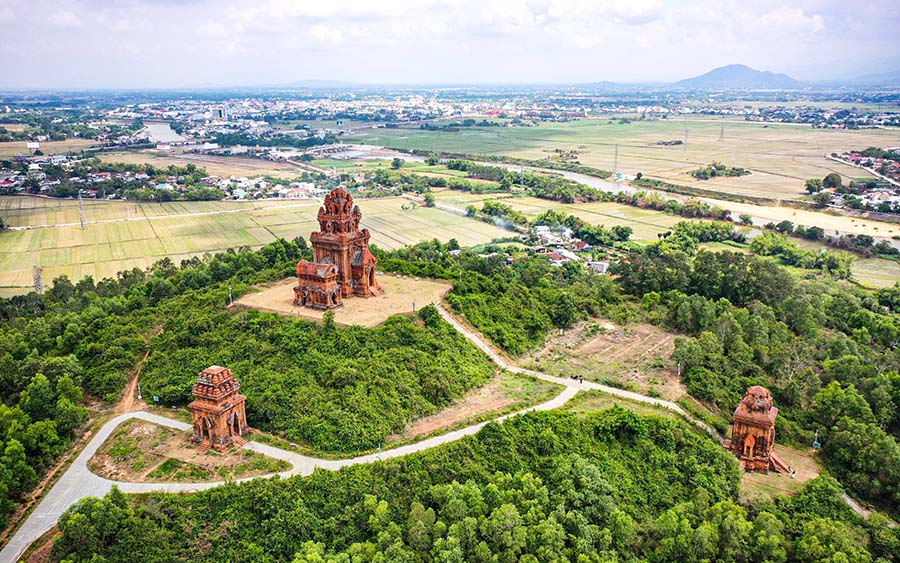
{"x": 780, "y": 156}
{"x": 14, "y": 148}
{"x": 223, "y": 166}
{"x": 185, "y": 229}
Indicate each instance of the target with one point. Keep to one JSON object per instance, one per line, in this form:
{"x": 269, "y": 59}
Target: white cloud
{"x": 65, "y": 19}
{"x": 254, "y": 41}
{"x": 211, "y": 30}
{"x": 326, "y": 34}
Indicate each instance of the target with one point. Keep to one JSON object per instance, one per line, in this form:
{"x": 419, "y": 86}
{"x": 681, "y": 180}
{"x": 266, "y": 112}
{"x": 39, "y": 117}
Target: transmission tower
{"x": 722, "y": 134}
{"x": 81, "y": 211}
{"x": 685, "y": 132}
{"x": 38, "y": 280}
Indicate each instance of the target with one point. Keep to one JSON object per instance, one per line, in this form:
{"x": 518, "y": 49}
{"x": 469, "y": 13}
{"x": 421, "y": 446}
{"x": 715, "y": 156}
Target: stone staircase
{"x": 239, "y": 441}
{"x": 204, "y": 445}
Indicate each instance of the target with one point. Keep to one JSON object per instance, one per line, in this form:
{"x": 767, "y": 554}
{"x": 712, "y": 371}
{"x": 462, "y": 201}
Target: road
{"x": 79, "y": 482}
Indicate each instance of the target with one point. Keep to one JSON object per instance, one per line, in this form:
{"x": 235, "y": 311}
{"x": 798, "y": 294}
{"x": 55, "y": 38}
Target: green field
{"x": 172, "y": 229}
{"x": 780, "y": 156}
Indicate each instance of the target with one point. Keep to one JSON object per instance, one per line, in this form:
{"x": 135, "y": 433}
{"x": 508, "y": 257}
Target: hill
{"x": 739, "y": 77}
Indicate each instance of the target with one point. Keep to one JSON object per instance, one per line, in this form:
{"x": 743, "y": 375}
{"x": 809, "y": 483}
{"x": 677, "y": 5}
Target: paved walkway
{"x": 79, "y": 482}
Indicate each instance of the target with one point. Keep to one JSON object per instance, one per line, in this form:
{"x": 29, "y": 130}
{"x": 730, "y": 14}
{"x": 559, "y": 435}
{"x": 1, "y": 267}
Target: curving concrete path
{"x": 79, "y": 482}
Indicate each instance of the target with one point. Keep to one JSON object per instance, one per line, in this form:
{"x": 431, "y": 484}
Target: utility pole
{"x": 81, "y": 211}
{"x": 38, "y": 280}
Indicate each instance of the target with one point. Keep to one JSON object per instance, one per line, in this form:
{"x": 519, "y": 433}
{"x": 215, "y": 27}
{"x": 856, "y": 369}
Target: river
{"x": 162, "y": 132}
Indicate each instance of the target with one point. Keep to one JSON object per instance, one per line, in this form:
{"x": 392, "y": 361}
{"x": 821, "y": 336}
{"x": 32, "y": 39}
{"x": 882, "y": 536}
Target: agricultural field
{"x": 14, "y": 148}
{"x": 180, "y": 230}
{"x": 371, "y": 165}
{"x": 224, "y": 166}
{"x": 780, "y": 156}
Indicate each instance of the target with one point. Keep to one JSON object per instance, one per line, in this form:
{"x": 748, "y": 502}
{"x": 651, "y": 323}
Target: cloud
{"x": 211, "y": 29}
{"x": 265, "y": 41}
{"x": 326, "y": 34}
{"x": 65, "y": 20}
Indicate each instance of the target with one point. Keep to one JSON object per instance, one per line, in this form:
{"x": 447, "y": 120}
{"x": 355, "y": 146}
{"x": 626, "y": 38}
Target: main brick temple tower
{"x": 218, "y": 410}
{"x": 753, "y": 436}
{"x": 342, "y": 263}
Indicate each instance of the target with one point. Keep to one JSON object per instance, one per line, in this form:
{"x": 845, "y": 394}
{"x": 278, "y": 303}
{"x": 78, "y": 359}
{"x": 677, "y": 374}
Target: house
{"x": 581, "y": 246}
{"x": 557, "y": 259}
{"x": 599, "y": 266}
{"x": 568, "y": 255}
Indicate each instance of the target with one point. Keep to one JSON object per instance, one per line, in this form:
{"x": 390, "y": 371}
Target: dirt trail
{"x": 129, "y": 401}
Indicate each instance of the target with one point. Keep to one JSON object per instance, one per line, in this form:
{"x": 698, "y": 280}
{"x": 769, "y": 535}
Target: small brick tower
{"x": 218, "y": 410}
{"x": 753, "y": 436}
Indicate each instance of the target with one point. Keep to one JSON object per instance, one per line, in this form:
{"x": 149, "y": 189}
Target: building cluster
{"x": 32, "y": 177}
{"x": 881, "y": 192}
{"x": 561, "y": 247}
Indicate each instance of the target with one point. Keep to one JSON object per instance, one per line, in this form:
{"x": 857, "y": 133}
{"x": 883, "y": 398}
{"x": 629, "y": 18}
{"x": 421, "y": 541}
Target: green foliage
{"x": 832, "y": 181}
{"x": 772, "y": 244}
{"x": 541, "y": 487}
{"x": 718, "y": 169}
{"x": 338, "y": 389}
{"x": 814, "y": 185}
{"x": 596, "y": 235}
{"x": 515, "y": 307}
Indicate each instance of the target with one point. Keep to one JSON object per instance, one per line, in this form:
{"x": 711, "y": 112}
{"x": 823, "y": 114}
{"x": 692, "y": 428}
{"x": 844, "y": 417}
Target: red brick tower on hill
{"x": 341, "y": 243}
{"x": 753, "y": 436}
{"x": 218, "y": 409}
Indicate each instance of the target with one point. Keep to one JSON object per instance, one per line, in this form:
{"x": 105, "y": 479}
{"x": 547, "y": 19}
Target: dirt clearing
{"x": 143, "y": 452}
{"x": 635, "y": 357}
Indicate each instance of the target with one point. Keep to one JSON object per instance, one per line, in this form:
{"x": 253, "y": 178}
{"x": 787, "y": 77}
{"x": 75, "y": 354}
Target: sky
{"x": 226, "y": 43}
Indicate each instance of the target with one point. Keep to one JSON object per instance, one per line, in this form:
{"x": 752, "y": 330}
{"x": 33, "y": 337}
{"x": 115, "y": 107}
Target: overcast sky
{"x": 187, "y": 43}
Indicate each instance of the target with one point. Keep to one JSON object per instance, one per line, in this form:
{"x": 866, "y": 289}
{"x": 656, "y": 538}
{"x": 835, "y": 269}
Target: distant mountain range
{"x": 739, "y": 77}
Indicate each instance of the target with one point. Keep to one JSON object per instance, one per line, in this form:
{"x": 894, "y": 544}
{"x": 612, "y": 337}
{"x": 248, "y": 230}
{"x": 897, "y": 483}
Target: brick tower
{"x": 218, "y": 410}
{"x": 339, "y": 242}
{"x": 753, "y": 436}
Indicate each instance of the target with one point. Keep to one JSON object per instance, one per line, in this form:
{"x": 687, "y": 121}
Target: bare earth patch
{"x": 504, "y": 393}
{"x": 635, "y": 356}
{"x": 140, "y": 451}
{"x": 401, "y": 296}
{"x": 758, "y": 485}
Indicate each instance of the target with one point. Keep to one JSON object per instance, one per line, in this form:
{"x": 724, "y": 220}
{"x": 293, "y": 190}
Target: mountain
{"x": 739, "y": 77}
